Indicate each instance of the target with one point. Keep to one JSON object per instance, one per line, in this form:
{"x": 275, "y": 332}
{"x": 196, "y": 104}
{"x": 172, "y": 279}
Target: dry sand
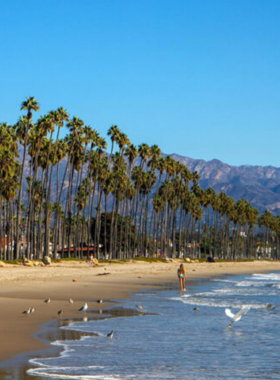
{"x": 24, "y": 287}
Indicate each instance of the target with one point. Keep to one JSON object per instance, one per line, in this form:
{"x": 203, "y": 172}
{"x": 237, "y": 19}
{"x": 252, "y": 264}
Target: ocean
{"x": 171, "y": 340}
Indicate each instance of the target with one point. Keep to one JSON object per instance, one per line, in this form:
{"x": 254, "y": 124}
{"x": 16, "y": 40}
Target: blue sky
{"x": 200, "y": 78}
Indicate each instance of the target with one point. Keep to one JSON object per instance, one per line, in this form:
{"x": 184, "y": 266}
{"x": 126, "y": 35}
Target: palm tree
{"x": 227, "y": 205}
{"x": 265, "y": 221}
{"x": 113, "y": 132}
{"x": 30, "y": 104}
{"x": 59, "y": 117}
{"x": 144, "y": 152}
{"x": 252, "y": 215}
{"x": 131, "y": 153}
{"x": 75, "y": 126}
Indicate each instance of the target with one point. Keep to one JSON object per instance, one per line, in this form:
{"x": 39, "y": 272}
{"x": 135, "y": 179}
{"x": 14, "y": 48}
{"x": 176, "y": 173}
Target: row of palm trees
{"x": 70, "y": 194}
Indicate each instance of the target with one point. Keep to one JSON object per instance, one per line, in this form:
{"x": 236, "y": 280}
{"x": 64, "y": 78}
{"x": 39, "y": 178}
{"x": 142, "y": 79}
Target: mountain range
{"x": 260, "y": 185}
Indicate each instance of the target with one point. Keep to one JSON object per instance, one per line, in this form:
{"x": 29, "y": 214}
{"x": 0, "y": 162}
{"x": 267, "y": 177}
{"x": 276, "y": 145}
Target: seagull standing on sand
{"x": 71, "y": 301}
{"x": 110, "y": 335}
{"x": 84, "y": 308}
{"x": 140, "y": 308}
{"x": 236, "y": 317}
{"x": 28, "y": 311}
{"x": 60, "y": 312}
{"x": 48, "y": 300}
{"x": 99, "y": 301}
{"x": 32, "y": 309}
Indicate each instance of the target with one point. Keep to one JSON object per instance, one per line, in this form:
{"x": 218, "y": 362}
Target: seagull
{"x": 60, "y": 312}
{"x": 84, "y": 308}
{"x": 196, "y": 309}
{"x": 28, "y": 311}
{"x": 110, "y": 335}
{"x": 48, "y": 300}
{"x": 71, "y": 301}
{"x": 99, "y": 301}
{"x": 236, "y": 317}
{"x": 32, "y": 309}
{"x": 140, "y": 308}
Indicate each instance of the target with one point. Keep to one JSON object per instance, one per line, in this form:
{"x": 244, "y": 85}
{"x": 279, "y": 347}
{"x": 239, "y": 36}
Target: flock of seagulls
{"x": 83, "y": 309}
{"x": 235, "y": 317}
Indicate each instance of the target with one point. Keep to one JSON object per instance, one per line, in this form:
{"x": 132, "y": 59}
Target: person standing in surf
{"x": 182, "y": 277}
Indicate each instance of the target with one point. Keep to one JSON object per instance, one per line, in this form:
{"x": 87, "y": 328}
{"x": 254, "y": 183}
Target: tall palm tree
{"x": 60, "y": 116}
{"x": 75, "y": 126}
{"x": 113, "y": 133}
{"x": 30, "y": 105}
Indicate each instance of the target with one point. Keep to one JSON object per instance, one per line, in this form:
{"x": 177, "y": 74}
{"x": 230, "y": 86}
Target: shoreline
{"x": 27, "y": 336}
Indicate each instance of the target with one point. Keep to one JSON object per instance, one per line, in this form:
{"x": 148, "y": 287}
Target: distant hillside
{"x": 260, "y": 185}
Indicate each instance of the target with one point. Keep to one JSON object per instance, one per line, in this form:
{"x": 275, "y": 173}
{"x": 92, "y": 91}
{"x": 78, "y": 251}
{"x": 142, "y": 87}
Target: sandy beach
{"x": 24, "y": 287}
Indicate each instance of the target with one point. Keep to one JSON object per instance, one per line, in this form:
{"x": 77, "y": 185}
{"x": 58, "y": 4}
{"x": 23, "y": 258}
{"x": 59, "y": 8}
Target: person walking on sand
{"x": 91, "y": 259}
{"x": 182, "y": 276}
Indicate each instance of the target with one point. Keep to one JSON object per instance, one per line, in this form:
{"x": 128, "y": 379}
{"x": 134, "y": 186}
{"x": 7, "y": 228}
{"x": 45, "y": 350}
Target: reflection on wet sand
{"x": 16, "y": 369}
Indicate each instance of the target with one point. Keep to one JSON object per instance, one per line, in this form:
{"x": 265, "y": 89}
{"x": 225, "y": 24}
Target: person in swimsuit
{"x": 182, "y": 276}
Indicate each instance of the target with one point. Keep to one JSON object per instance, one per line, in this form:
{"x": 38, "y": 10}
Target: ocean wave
{"x": 66, "y": 352}
{"x": 250, "y": 284}
{"x": 266, "y": 277}
{"x": 219, "y": 303}
{"x": 54, "y": 372}
{"x": 45, "y": 370}
{"x": 235, "y": 291}
{"x": 222, "y": 280}
{"x": 229, "y": 292}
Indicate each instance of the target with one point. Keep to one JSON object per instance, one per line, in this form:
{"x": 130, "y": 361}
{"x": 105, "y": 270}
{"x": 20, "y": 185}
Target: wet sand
{"x": 24, "y": 287}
